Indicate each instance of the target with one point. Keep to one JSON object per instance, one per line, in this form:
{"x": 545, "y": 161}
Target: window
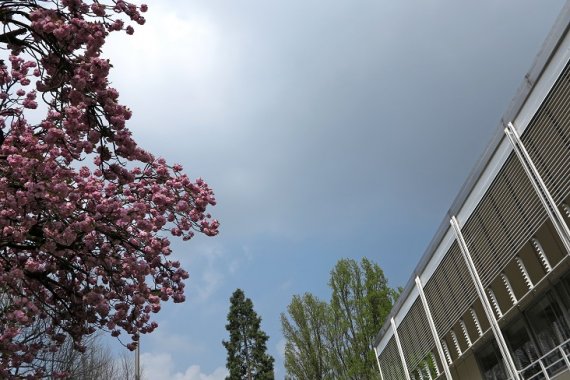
{"x": 522, "y": 346}
{"x": 548, "y": 323}
{"x": 490, "y": 362}
{"x": 550, "y": 329}
{"x": 534, "y": 334}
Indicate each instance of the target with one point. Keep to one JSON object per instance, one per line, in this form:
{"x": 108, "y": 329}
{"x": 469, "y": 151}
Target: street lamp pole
{"x": 138, "y": 361}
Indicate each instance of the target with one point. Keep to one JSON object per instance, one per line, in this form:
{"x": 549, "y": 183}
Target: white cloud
{"x": 193, "y": 373}
{"x": 166, "y": 40}
{"x": 238, "y": 261}
{"x": 160, "y": 367}
{"x": 176, "y": 57}
{"x": 210, "y": 282}
{"x": 164, "y": 340}
{"x": 207, "y": 270}
{"x": 208, "y": 265}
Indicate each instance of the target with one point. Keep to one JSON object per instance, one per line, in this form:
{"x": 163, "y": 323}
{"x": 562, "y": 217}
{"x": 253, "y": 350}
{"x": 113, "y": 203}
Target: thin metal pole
{"x": 564, "y": 357}
{"x": 400, "y": 351}
{"x": 539, "y": 186}
{"x": 510, "y": 364}
{"x": 544, "y": 371}
{"x": 378, "y": 361}
{"x": 138, "y": 361}
{"x": 433, "y": 329}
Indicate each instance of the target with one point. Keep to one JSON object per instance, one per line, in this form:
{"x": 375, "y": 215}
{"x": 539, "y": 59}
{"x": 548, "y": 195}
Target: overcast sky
{"x": 328, "y": 129}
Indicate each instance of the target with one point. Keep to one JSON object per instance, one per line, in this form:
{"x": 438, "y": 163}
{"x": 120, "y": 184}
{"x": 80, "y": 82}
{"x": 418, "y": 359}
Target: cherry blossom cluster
{"x": 85, "y": 213}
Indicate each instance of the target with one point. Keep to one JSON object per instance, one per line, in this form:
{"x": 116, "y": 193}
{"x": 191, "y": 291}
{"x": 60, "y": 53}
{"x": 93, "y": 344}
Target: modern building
{"x": 490, "y": 298}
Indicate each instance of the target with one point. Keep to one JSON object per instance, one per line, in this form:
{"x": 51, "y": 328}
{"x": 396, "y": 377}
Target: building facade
{"x": 490, "y": 299}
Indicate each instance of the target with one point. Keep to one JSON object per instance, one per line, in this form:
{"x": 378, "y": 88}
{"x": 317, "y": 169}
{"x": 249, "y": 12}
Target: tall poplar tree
{"x": 334, "y": 340}
{"x": 360, "y": 301}
{"x": 305, "y": 334}
{"x": 247, "y": 357}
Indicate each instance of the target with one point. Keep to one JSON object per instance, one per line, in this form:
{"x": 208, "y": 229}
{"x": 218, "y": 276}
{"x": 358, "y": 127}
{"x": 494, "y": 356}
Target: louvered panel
{"x": 391, "y": 363}
{"x": 463, "y": 288}
{"x": 436, "y": 300}
{"x": 547, "y": 138}
{"x": 450, "y": 291}
{"x": 415, "y": 335}
{"x": 508, "y": 215}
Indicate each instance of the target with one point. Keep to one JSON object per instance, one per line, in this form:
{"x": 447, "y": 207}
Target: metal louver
{"x": 547, "y": 138}
{"x": 415, "y": 335}
{"x": 505, "y": 219}
{"x": 450, "y": 291}
{"x": 391, "y": 363}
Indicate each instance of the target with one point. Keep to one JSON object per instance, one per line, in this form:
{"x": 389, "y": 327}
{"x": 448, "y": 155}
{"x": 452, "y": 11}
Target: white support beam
{"x": 400, "y": 351}
{"x": 378, "y": 362}
{"x": 539, "y": 186}
{"x": 433, "y": 329}
{"x": 508, "y": 359}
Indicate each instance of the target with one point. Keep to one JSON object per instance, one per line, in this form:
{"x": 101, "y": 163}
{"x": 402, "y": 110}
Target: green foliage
{"x": 334, "y": 340}
{"x": 247, "y": 357}
{"x": 305, "y": 347}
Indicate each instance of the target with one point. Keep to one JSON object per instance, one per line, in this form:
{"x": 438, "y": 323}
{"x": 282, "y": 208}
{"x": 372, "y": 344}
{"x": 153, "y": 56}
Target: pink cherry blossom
{"x": 86, "y": 215}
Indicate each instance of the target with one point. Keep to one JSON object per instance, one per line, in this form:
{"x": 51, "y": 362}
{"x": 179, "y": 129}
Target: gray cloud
{"x": 352, "y": 121}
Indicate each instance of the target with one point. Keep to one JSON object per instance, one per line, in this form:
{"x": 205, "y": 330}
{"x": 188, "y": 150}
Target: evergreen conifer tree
{"x": 247, "y": 357}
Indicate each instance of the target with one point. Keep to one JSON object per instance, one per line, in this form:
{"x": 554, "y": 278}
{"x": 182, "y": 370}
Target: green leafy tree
{"x": 341, "y": 332}
{"x": 361, "y": 299}
{"x": 247, "y": 357}
{"x": 305, "y": 347}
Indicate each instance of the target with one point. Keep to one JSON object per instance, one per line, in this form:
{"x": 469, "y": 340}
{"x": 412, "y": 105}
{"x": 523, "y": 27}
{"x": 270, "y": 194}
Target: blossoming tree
{"x": 85, "y": 213}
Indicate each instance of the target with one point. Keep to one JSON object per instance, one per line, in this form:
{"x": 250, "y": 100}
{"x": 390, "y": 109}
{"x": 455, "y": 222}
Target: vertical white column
{"x": 400, "y": 351}
{"x": 433, "y": 329}
{"x": 539, "y": 186}
{"x": 378, "y": 361}
{"x": 509, "y": 363}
